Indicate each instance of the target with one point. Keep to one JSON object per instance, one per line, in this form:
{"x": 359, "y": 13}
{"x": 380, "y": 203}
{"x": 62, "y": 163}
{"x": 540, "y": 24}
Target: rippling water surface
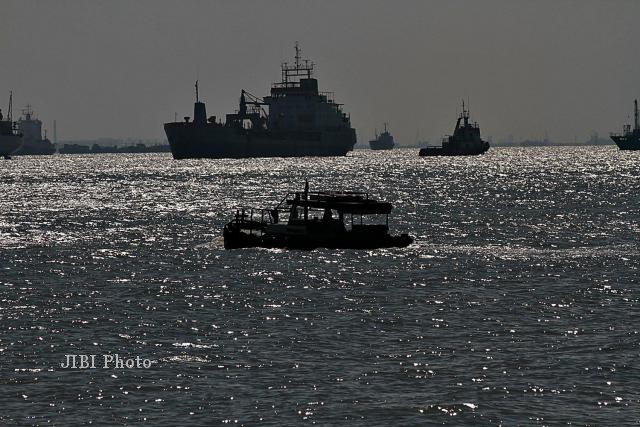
{"x": 517, "y": 303}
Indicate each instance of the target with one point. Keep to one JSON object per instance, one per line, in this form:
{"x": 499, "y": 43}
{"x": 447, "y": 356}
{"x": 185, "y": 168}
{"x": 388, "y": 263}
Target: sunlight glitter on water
{"x": 529, "y": 253}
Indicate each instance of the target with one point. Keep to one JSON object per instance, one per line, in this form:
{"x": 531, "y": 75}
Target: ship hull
{"x": 627, "y": 142}
{"x": 191, "y": 141}
{"x": 377, "y": 145}
{"x": 234, "y": 238}
{"x": 440, "y": 151}
{"x": 9, "y": 144}
{"x": 36, "y": 149}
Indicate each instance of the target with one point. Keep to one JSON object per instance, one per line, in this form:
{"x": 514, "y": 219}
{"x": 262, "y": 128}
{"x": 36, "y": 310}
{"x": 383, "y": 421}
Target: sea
{"x": 517, "y": 303}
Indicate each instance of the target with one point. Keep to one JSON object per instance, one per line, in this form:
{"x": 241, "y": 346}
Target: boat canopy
{"x": 348, "y": 203}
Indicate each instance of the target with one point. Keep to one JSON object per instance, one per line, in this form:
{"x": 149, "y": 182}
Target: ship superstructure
{"x": 464, "y": 141}
{"x": 32, "y": 141}
{"x": 10, "y": 135}
{"x": 384, "y": 141}
{"x": 295, "y": 120}
{"x": 629, "y": 139}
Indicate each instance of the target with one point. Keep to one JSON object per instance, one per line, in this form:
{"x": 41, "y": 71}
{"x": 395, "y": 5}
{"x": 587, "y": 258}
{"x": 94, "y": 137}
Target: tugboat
{"x": 32, "y": 141}
{"x": 384, "y": 141}
{"x": 315, "y": 219}
{"x": 300, "y": 121}
{"x": 10, "y": 135}
{"x": 629, "y": 139}
{"x": 465, "y": 140}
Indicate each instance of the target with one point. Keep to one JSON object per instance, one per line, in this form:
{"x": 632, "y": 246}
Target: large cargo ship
{"x": 629, "y": 139}
{"x": 32, "y": 141}
{"x": 10, "y": 135}
{"x": 465, "y": 140}
{"x": 295, "y": 120}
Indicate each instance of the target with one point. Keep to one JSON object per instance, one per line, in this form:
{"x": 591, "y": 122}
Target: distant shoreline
{"x": 79, "y": 148}
{"x": 513, "y": 145}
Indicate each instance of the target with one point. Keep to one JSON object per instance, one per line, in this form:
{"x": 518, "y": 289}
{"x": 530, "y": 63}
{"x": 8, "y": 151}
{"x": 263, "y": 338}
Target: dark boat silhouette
{"x": 629, "y": 139}
{"x": 298, "y": 121}
{"x": 10, "y": 134}
{"x": 314, "y": 219}
{"x": 384, "y": 141}
{"x": 465, "y": 140}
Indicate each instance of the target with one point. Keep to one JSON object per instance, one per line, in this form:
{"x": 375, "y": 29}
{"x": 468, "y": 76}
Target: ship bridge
{"x": 296, "y": 77}
{"x": 296, "y": 104}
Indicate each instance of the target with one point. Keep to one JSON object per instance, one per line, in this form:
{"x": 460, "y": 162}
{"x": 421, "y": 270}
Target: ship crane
{"x": 253, "y": 114}
{"x": 253, "y": 100}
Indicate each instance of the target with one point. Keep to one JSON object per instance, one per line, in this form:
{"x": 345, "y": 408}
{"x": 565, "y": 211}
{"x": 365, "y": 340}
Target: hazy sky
{"x": 122, "y": 68}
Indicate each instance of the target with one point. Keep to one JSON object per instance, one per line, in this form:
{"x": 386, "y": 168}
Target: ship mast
{"x": 635, "y": 114}
{"x": 28, "y": 112}
{"x": 197, "y": 95}
{"x": 300, "y": 69}
{"x": 465, "y": 113}
{"x": 10, "y": 112}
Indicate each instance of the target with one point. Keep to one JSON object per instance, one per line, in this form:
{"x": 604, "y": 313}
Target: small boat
{"x": 629, "y": 139}
{"x": 315, "y": 219}
{"x": 465, "y": 140}
{"x": 384, "y": 141}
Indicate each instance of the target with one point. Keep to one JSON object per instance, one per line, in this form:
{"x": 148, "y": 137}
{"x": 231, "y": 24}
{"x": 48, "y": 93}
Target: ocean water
{"x": 516, "y": 305}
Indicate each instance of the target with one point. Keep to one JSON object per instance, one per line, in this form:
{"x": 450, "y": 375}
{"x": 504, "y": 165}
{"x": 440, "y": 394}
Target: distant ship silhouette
{"x": 629, "y": 139}
{"x": 465, "y": 140}
{"x": 384, "y": 141}
{"x": 10, "y": 134}
{"x": 301, "y": 121}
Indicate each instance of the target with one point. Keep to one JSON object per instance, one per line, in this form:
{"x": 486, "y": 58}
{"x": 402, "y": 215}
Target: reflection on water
{"x": 517, "y": 303}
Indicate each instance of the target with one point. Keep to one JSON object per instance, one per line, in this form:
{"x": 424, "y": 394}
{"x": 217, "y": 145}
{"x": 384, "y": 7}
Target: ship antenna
{"x": 10, "y": 112}
{"x": 197, "y": 95}
{"x": 635, "y": 113}
{"x": 465, "y": 111}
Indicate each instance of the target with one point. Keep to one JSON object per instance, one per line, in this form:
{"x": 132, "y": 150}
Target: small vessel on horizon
{"x": 296, "y": 120}
{"x": 629, "y": 139}
{"x": 314, "y": 219}
{"x": 32, "y": 141}
{"x": 465, "y": 140}
{"x": 384, "y": 141}
{"x": 10, "y": 135}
